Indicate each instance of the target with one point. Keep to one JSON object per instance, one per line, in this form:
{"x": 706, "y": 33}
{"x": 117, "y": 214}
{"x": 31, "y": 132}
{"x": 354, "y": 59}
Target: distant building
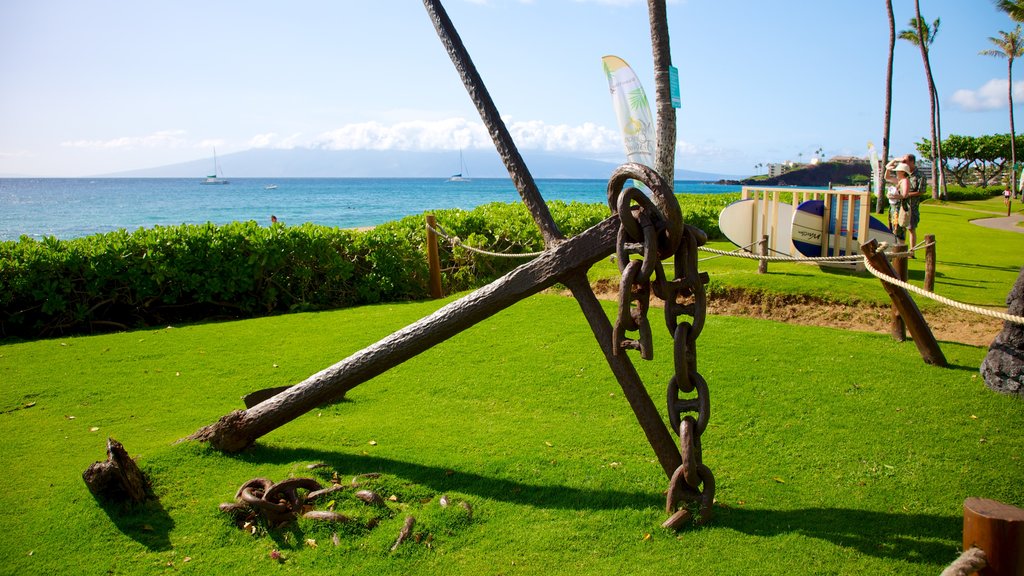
{"x": 847, "y": 160}
{"x": 775, "y": 169}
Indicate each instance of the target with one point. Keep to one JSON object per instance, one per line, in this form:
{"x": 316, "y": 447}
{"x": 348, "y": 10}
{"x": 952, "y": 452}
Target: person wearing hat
{"x": 905, "y": 198}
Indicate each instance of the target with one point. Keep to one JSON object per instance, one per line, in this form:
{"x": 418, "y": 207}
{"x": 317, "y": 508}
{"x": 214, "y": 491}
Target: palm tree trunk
{"x": 666, "y": 151}
{"x": 923, "y": 45}
{"x": 1013, "y": 136}
{"x": 879, "y": 206}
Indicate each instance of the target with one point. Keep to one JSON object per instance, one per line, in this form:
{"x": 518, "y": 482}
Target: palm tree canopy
{"x": 1013, "y": 8}
{"x": 910, "y": 35}
{"x": 1008, "y": 45}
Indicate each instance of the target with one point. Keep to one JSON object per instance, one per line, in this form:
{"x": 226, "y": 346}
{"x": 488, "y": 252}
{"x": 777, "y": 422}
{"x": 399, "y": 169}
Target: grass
{"x": 834, "y": 452}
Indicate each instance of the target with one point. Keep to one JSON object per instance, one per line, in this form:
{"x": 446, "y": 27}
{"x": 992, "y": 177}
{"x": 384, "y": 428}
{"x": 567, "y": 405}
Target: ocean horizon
{"x": 67, "y": 208}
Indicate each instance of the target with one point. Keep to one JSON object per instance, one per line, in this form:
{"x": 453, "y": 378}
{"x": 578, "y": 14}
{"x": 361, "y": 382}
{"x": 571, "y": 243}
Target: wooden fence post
{"x": 929, "y": 263}
{"x": 762, "y": 265}
{"x": 998, "y": 530}
{"x": 897, "y": 328}
{"x": 433, "y": 260}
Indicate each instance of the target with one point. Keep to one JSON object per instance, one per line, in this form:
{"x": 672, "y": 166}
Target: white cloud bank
{"x": 991, "y": 96}
{"x": 161, "y": 139}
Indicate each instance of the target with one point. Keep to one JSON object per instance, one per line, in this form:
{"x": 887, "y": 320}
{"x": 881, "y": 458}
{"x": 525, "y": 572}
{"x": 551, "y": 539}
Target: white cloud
{"x": 991, "y": 96}
{"x": 161, "y": 139}
{"x": 455, "y": 133}
{"x": 272, "y": 140}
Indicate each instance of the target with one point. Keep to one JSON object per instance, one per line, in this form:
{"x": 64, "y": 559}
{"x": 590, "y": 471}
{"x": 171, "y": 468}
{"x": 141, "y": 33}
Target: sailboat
{"x": 463, "y": 175}
{"x": 214, "y": 178}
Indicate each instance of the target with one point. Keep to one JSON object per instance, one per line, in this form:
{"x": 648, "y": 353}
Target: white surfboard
{"x": 808, "y": 226}
{"x": 744, "y": 226}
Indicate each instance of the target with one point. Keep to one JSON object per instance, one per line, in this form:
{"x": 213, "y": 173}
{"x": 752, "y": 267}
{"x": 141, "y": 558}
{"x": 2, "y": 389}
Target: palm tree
{"x": 666, "y": 151}
{"x": 922, "y": 36}
{"x": 1013, "y": 8}
{"x": 879, "y": 206}
{"x": 1009, "y": 45}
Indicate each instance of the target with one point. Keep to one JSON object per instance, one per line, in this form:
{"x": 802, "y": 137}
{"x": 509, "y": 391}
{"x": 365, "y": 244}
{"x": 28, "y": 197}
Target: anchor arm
{"x": 239, "y": 429}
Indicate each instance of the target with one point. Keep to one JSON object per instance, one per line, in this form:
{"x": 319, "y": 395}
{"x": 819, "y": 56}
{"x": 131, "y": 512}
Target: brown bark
{"x": 118, "y": 479}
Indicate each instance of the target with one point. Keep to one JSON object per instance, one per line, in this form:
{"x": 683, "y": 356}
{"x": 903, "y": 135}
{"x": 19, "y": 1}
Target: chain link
{"x": 646, "y": 235}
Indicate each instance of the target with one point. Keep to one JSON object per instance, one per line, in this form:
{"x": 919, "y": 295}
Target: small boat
{"x": 270, "y": 187}
{"x": 462, "y": 167}
{"x": 214, "y": 178}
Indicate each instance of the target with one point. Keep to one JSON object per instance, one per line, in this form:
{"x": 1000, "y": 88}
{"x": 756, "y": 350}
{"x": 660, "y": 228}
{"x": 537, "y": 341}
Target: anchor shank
{"x": 506, "y": 147}
{"x": 239, "y": 429}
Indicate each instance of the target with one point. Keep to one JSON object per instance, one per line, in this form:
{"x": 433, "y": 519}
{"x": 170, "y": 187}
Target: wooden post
{"x": 433, "y": 260}
{"x": 919, "y": 330}
{"x": 929, "y": 263}
{"x": 762, "y": 265}
{"x": 998, "y": 530}
{"x": 897, "y": 328}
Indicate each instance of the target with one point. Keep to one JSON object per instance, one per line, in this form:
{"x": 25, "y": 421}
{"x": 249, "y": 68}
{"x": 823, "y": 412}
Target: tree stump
{"x": 1003, "y": 366}
{"x": 118, "y": 479}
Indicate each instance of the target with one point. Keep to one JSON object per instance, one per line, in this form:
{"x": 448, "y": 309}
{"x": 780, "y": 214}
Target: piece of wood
{"x": 118, "y": 479}
{"x": 919, "y": 330}
{"x": 998, "y": 530}
{"x": 762, "y": 265}
{"x": 433, "y": 260}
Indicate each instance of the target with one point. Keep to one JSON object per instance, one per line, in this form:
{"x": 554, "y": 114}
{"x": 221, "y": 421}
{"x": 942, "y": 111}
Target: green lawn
{"x": 834, "y": 452}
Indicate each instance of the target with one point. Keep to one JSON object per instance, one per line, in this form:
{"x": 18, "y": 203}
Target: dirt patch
{"x": 947, "y": 324}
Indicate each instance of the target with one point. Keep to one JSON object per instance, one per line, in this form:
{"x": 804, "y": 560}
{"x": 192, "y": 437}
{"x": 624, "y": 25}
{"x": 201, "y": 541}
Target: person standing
{"x": 909, "y": 193}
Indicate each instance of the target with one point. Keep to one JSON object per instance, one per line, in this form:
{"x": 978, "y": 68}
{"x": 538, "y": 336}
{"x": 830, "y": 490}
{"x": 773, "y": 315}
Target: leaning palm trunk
{"x": 1013, "y": 136}
{"x": 922, "y": 43}
{"x": 879, "y": 201}
{"x": 666, "y": 152}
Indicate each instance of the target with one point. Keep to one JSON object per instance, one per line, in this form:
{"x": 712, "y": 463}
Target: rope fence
{"x": 743, "y": 252}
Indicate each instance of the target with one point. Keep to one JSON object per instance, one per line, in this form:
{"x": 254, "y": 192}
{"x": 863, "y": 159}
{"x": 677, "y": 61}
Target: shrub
{"x": 188, "y": 273}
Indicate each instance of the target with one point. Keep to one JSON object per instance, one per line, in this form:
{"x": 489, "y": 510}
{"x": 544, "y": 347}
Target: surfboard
{"x": 808, "y": 224}
{"x": 744, "y": 222}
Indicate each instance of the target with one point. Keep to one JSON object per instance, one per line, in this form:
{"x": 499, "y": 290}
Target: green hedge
{"x": 175, "y": 274}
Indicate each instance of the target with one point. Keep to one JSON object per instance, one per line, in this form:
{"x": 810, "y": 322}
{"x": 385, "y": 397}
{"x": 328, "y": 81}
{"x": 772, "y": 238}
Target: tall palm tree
{"x": 1009, "y": 45}
{"x": 922, "y": 35}
{"x": 879, "y": 206}
{"x": 666, "y": 138}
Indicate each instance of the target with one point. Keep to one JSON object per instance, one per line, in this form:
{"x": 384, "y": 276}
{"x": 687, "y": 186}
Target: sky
{"x": 103, "y": 86}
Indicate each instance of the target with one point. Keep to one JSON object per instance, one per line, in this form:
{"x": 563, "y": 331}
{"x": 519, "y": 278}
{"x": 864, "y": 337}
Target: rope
{"x": 941, "y": 299}
{"x": 751, "y": 256}
{"x": 456, "y": 241}
{"x": 969, "y": 562}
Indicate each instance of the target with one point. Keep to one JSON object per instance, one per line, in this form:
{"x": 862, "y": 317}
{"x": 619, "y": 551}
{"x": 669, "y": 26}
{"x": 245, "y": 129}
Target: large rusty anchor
{"x": 641, "y": 231}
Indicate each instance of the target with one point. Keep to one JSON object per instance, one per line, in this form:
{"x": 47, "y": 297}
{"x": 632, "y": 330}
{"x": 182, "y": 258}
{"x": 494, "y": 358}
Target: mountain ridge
{"x": 321, "y": 163}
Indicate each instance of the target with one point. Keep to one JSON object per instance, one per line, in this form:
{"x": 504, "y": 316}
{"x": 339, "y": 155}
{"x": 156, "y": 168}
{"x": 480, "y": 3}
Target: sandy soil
{"x": 947, "y": 324}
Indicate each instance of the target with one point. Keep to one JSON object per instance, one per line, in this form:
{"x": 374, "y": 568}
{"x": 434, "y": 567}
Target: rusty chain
{"x": 649, "y": 232}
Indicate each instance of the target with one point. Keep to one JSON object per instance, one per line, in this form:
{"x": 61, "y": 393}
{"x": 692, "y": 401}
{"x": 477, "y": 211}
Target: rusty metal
{"x": 648, "y": 228}
{"x": 646, "y": 232}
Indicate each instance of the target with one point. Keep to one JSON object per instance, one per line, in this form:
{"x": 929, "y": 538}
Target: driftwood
{"x": 118, "y": 479}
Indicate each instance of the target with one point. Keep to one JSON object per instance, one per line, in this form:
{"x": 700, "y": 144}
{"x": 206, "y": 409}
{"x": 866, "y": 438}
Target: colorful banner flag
{"x": 632, "y": 110}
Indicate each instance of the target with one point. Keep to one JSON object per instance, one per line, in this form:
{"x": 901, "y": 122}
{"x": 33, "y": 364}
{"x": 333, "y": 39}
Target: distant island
{"x": 847, "y": 172}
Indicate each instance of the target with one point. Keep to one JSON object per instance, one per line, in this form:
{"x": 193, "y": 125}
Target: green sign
{"x": 673, "y": 85}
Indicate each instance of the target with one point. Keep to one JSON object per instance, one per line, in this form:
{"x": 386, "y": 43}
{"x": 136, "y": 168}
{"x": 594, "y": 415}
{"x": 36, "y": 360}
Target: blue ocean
{"x": 76, "y": 207}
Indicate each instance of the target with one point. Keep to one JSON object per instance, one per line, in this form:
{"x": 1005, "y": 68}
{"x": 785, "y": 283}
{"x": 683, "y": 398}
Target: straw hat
{"x": 902, "y": 167}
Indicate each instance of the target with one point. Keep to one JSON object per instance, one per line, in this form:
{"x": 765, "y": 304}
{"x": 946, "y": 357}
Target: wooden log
{"x": 762, "y": 265}
{"x": 433, "y": 260}
{"x": 998, "y": 530}
{"x": 919, "y": 330}
{"x": 118, "y": 479}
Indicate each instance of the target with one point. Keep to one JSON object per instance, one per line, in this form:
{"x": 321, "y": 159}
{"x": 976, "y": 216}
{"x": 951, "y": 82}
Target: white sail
{"x": 632, "y": 110}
